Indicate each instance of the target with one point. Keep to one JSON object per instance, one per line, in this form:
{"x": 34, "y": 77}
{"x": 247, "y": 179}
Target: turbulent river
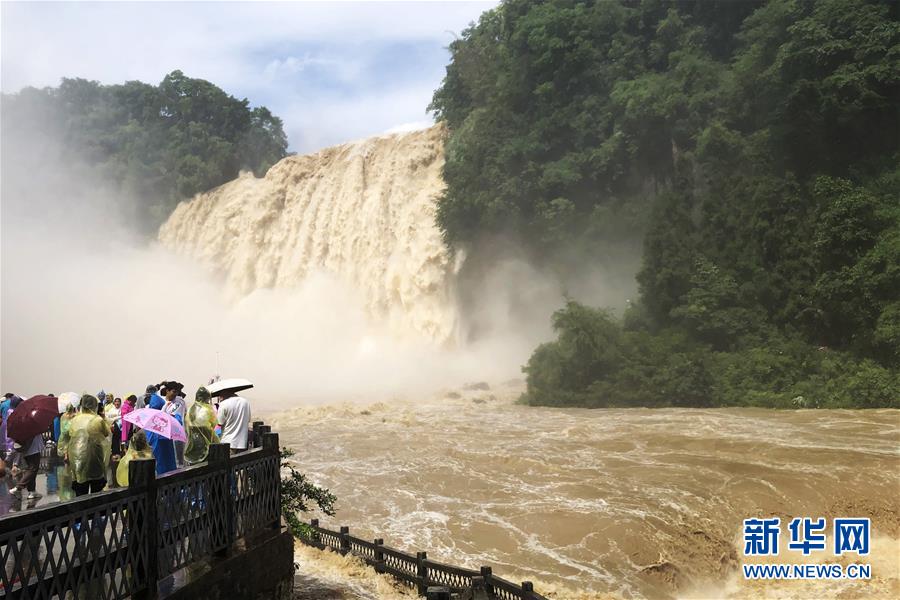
{"x": 599, "y": 503}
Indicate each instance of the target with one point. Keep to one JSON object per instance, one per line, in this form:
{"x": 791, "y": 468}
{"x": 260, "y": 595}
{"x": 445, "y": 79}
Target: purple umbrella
{"x": 32, "y": 417}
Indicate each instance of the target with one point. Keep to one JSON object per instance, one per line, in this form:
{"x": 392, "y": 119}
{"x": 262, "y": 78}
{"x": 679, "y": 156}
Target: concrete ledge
{"x": 258, "y": 567}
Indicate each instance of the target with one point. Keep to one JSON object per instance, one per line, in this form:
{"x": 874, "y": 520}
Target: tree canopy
{"x": 160, "y": 143}
{"x": 753, "y": 146}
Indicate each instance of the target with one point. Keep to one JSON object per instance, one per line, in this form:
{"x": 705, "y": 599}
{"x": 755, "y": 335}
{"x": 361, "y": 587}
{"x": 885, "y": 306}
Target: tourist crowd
{"x": 91, "y": 433}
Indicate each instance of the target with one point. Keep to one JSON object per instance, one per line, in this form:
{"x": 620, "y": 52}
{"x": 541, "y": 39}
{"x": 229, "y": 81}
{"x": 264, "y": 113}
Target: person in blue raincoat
{"x": 4, "y": 410}
{"x": 163, "y": 448}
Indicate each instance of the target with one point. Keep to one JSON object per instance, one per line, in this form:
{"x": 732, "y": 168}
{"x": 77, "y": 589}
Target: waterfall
{"x": 362, "y": 211}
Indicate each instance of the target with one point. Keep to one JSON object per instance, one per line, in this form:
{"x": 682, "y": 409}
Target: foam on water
{"x": 349, "y": 574}
{"x": 606, "y": 503}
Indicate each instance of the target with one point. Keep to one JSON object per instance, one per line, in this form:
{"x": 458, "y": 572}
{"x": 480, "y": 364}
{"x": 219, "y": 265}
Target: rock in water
{"x": 364, "y": 211}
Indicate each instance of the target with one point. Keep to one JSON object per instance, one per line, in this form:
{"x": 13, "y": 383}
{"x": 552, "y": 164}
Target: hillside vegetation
{"x": 160, "y": 144}
{"x": 753, "y": 146}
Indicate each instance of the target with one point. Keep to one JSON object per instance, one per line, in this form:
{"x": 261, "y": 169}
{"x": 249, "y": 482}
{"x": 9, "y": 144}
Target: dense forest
{"x": 753, "y": 147}
{"x": 160, "y": 144}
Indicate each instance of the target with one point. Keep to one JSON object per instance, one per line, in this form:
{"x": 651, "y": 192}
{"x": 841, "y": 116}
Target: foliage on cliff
{"x": 297, "y": 493}
{"x": 160, "y": 143}
{"x": 755, "y": 147}
{"x": 598, "y": 361}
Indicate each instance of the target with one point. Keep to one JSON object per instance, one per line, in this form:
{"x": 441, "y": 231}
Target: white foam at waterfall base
{"x": 118, "y": 316}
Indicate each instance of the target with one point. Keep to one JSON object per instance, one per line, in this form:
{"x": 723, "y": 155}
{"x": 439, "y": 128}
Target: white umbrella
{"x": 228, "y": 385}
{"x": 66, "y": 398}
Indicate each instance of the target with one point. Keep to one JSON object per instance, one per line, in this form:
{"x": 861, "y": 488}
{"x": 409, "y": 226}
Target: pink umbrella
{"x": 157, "y": 421}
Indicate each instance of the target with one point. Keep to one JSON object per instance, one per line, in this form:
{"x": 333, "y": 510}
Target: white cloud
{"x": 248, "y": 49}
{"x": 341, "y": 69}
{"x": 320, "y": 121}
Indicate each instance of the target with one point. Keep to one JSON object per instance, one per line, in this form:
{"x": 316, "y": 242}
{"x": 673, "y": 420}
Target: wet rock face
{"x": 260, "y": 569}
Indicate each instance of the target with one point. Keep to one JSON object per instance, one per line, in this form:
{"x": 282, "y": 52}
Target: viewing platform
{"x": 211, "y": 530}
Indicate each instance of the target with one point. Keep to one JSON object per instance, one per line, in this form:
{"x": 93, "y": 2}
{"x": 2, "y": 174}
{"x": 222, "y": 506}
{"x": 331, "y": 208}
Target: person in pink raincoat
{"x": 127, "y": 427}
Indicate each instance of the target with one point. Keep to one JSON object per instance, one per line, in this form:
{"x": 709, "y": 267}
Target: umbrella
{"x": 228, "y": 385}
{"x": 32, "y": 417}
{"x": 158, "y": 422}
{"x": 67, "y": 398}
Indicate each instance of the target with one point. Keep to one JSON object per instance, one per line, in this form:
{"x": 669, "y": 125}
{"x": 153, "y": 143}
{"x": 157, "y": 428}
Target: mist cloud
{"x": 87, "y": 303}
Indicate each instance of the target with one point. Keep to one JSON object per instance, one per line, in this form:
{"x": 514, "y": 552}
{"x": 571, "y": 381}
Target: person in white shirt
{"x": 234, "y": 417}
{"x": 175, "y": 404}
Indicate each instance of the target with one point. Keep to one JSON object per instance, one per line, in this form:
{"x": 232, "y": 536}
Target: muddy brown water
{"x": 634, "y": 503}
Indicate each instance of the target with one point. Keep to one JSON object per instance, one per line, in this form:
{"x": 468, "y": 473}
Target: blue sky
{"x": 333, "y": 71}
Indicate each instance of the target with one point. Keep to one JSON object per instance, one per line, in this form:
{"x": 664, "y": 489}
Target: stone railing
{"x": 120, "y": 543}
{"x": 417, "y": 570}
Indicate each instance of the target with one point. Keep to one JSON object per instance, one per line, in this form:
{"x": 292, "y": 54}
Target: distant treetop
{"x": 161, "y": 144}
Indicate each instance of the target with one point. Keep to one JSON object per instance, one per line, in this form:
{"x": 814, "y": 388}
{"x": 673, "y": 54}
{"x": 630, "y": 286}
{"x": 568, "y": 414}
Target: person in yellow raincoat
{"x": 64, "y": 422}
{"x": 138, "y": 449}
{"x": 64, "y": 472}
{"x": 200, "y": 426}
{"x": 87, "y": 448}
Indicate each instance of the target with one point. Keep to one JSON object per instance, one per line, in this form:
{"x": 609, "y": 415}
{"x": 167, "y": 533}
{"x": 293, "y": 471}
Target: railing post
{"x": 345, "y": 540}
{"x": 270, "y": 444}
{"x": 488, "y": 573}
{"x": 270, "y": 440}
{"x": 256, "y": 439}
{"x": 479, "y": 589}
{"x": 315, "y": 537}
{"x": 142, "y": 473}
{"x": 422, "y": 572}
{"x": 219, "y": 461}
{"x": 528, "y": 588}
{"x": 379, "y": 555}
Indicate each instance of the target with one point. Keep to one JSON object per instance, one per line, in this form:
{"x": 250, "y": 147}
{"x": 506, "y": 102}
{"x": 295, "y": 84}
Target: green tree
{"x": 751, "y": 146}
{"x": 299, "y": 494}
{"x": 161, "y": 144}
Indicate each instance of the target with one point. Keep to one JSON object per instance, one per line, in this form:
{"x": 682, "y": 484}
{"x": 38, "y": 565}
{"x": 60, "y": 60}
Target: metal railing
{"x": 416, "y": 571}
{"x": 119, "y": 543}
